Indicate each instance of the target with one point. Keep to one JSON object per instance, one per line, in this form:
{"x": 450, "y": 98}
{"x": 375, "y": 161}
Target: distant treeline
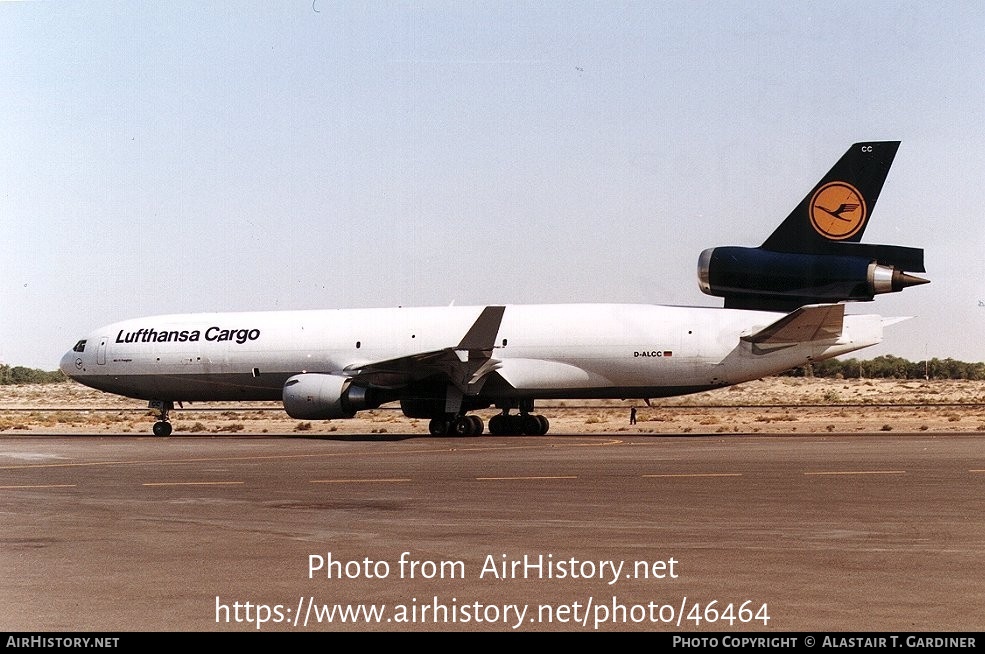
{"x": 884, "y": 367}
{"x": 22, "y": 375}
{"x": 890, "y": 367}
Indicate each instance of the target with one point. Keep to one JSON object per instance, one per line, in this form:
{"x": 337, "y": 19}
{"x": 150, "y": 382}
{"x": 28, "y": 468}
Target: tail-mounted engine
{"x": 756, "y": 278}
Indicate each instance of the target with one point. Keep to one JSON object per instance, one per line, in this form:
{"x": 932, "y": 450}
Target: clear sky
{"x": 194, "y": 156}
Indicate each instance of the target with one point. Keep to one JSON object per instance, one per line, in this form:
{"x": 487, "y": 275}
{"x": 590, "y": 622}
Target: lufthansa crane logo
{"x": 838, "y": 211}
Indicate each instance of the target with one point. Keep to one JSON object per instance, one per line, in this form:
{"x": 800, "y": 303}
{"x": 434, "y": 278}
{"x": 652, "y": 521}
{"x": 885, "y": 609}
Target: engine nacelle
{"x": 764, "y": 279}
{"x": 317, "y": 396}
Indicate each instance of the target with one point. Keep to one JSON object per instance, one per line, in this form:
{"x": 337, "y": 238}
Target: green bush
{"x": 891, "y": 367}
{"x": 22, "y": 375}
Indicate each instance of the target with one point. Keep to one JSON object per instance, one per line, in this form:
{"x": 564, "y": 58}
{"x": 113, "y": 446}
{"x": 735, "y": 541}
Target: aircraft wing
{"x": 814, "y": 322}
{"x": 465, "y": 364}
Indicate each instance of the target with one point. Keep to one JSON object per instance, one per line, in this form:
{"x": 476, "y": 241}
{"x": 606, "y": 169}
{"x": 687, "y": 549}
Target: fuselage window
{"x": 80, "y": 346}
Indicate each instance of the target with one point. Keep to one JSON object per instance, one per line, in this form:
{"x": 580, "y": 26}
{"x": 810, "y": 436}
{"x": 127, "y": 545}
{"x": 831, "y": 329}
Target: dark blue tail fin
{"x": 838, "y": 208}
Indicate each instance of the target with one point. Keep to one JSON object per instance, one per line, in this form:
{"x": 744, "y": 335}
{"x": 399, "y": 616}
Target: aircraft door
{"x": 101, "y": 351}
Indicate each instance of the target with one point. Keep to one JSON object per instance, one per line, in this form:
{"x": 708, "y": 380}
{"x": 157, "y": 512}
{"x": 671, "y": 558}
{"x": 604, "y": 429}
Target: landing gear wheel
{"x": 438, "y": 427}
{"x": 531, "y": 425}
{"x": 162, "y": 427}
{"x": 521, "y": 424}
{"x": 461, "y": 426}
{"x": 498, "y": 424}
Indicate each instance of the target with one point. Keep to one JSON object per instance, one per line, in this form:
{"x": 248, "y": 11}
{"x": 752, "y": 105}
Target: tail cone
{"x": 903, "y": 280}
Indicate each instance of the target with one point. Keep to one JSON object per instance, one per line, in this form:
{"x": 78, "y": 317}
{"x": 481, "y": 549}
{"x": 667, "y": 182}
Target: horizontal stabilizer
{"x": 886, "y": 322}
{"x": 818, "y": 322}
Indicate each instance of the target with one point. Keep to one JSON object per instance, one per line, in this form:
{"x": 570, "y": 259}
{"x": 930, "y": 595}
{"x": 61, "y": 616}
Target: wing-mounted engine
{"x": 816, "y": 254}
{"x": 317, "y": 396}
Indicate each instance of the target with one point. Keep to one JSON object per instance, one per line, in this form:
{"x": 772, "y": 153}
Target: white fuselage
{"x": 540, "y": 351}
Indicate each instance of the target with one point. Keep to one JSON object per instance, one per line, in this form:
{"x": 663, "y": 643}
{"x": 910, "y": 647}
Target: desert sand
{"x": 773, "y": 405}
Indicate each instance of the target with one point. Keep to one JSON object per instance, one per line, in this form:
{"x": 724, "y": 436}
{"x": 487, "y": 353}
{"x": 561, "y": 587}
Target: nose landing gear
{"x": 163, "y": 426}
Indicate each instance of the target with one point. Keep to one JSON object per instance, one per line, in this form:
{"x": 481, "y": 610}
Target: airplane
{"x": 784, "y": 307}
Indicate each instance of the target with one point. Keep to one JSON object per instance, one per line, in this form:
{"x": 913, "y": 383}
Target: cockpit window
{"x": 80, "y": 346}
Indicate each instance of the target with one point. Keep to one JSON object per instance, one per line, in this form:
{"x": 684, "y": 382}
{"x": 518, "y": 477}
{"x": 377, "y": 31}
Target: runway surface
{"x": 830, "y": 532}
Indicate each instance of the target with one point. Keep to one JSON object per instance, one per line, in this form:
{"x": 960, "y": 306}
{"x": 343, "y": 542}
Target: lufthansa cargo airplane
{"x": 784, "y": 307}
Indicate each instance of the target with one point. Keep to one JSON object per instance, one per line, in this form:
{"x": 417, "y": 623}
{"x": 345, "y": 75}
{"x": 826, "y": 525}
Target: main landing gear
{"x": 525, "y": 424}
{"x": 163, "y": 426}
{"x": 501, "y": 424}
{"x": 457, "y": 426}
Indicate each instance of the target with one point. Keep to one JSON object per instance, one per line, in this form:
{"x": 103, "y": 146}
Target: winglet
{"x": 482, "y": 334}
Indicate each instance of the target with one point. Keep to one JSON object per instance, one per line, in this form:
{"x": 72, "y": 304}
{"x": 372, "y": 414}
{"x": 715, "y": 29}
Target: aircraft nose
{"x": 71, "y": 363}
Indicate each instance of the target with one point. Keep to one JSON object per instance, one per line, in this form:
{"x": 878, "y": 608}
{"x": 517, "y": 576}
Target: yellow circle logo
{"x": 837, "y": 211}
